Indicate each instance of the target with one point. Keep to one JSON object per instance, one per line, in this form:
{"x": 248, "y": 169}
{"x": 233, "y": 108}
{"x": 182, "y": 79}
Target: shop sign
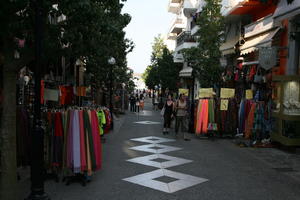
{"x": 183, "y": 91}
{"x": 224, "y": 104}
{"x": 249, "y": 94}
{"x": 206, "y": 92}
{"x": 227, "y": 93}
{"x": 267, "y": 57}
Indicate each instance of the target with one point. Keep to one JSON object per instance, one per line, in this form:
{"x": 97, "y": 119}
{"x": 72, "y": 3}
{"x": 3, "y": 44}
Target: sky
{"x": 149, "y": 18}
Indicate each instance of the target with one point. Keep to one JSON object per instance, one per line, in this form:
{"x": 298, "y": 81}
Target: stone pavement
{"x": 140, "y": 163}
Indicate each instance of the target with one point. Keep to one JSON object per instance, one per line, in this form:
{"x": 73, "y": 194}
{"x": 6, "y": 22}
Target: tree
{"x": 205, "y": 58}
{"x": 92, "y": 31}
{"x": 168, "y": 71}
{"x": 162, "y": 70}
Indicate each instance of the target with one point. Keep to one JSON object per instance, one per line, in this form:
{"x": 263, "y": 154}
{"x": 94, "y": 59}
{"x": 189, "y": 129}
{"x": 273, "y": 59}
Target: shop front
{"x": 286, "y": 90}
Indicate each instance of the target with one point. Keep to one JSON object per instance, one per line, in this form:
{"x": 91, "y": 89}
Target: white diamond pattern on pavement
{"x": 147, "y": 122}
{"x": 149, "y": 161}
{"x": 153, "y": 140}
{"x": 181, "y": 181}
{"x": 155, "y": 148}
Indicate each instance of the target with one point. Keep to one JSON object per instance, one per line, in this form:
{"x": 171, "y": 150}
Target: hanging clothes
{"x": 101, "y": 120}
{"x": 250, "y": 122}
{"x": 58, "y": 140}
{"x": 83, "y": 150}
{"x": 205, "y": 116}
{"x": 76, "y": 143}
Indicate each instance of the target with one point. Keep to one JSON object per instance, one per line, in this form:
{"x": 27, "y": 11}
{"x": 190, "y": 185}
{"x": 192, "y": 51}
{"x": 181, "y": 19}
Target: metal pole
{"x": 110, "y": 95}
{"x": 37, "y": 154}
{"x": 191, "y": 126}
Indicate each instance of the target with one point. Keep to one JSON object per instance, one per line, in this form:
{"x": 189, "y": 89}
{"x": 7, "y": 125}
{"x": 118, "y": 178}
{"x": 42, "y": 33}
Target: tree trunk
{"x": 8, "y": 176}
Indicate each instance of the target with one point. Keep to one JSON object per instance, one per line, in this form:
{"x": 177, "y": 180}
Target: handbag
{"x": 162, "y": 112}
{"x": 258, "y": 77}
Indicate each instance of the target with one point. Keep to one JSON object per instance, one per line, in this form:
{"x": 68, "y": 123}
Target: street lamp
{"x": 112, "y": 62}
{"x": 37, "y": 150}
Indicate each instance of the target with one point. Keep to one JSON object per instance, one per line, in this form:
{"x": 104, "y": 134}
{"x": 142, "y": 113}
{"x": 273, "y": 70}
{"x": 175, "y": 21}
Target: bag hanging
{"x": 162, "y": 112}
{"x": 258, "y": 76}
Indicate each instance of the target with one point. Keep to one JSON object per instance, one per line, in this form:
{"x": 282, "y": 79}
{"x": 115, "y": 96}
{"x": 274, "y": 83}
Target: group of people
{"x": 175, "y": 110}
{"x": 137, "y": 102}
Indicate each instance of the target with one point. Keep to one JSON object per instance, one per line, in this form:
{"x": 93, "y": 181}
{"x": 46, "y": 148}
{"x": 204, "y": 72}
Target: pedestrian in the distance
{"x": 132, "y": 103}
{"x": 142, "y": 102}
{"x": 181, "y": 112}
{"x": 153, "y": 101}
{"x": 168, "y": 114}
{"x": 137, "y": 103}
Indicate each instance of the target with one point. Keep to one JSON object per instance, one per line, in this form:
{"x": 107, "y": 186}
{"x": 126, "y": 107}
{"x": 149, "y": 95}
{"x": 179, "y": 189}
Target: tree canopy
{"x": 162, "y": 71}
{"x": 89, "y": 30}
{"x": 205, "y": 58}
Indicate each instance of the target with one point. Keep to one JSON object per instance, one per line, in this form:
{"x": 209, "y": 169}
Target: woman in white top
{"x": 181, "y": 112}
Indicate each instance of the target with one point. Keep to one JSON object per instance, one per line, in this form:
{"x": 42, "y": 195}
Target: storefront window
{"x": 291, "y": 101}
{"x": 276, "y": 97}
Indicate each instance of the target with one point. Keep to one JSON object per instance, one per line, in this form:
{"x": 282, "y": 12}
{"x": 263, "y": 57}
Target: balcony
{"x": 177, "y": 26}
{"x": 174, "y": 6}
{"x": 185, "y": 37}
{"x": 190, "y": 7}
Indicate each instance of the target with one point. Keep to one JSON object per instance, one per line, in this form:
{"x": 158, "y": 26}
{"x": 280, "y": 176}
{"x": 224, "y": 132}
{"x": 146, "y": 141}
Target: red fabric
{"x": 67, "y": 95}
{"x": 42, "y": 91}
{"x": 240, "y": 66}
{"x": 58, "y": 125}
{"x": 81, "y": 91}
{"x": 252, "y": 72}
{"x": 205, "y": 116}
{"x": 82, "y": 143}
{"x": 96, "y": 139}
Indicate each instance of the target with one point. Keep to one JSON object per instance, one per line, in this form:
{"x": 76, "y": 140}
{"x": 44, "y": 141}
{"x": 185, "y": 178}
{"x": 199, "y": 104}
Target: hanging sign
{"x": 206, "y": 92}
{"x": 51, "y": 94}
{"x": 224, "y": 104}
{"x": 227, "y": 93}
{"x": 249, "y": 94}
{"x": 183, "y": 91}
{"x": 267, "y": 57}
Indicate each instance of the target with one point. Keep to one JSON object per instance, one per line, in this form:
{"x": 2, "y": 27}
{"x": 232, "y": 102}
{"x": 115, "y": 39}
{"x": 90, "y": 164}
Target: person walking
{"x": 181, "y": 112}
{"x": 137, "y": 103}
{"x": 142, "y": 101}
{"x": 156, "y": 101}
{"x": 168, "y": 114}
{"x": 132, "y": 101}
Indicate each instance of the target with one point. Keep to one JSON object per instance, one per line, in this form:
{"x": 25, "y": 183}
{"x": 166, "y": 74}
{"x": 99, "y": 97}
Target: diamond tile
{"x": 153, "y": 140}
{"x": 182, "y": 181}
{"x": 151, "y": 160}
{"x": 148, "y": 148}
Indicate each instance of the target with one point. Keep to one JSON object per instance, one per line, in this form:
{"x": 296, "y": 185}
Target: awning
{"x": 263, "y": 40}
{"x": 286, "y": 11}
{"x": 229, "y": 46}
{"x": 186, "y": 72}
{"x": 251, "y": 7}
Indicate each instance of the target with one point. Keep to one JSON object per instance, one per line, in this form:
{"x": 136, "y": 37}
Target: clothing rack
{"x": 73, "y": 142}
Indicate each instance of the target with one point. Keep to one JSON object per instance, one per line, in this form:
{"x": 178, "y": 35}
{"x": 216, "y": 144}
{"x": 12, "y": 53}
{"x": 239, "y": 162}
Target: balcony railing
{"x": 185, "y": 37}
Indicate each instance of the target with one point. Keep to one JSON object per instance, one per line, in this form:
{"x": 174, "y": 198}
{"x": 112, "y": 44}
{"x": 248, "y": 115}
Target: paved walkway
{"x": 140, "y": 163}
